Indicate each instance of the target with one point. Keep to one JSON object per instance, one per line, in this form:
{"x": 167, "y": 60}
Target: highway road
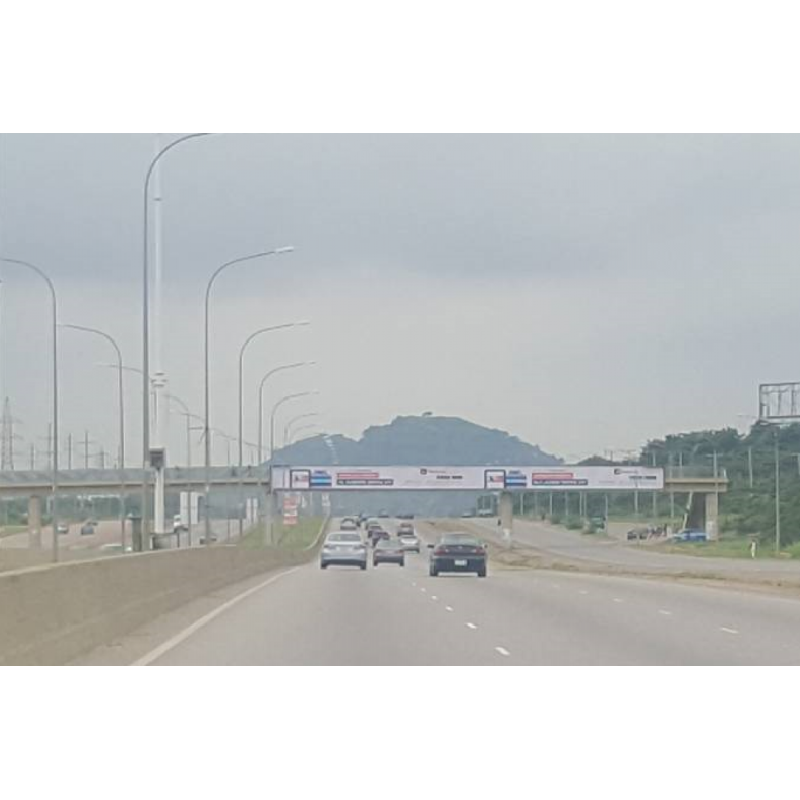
{"x": 392, "y": 615}
{"x": 559, "y": 541}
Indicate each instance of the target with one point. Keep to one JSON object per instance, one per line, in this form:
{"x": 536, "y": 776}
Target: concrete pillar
{"x": 712, "y": 515}
{"x": 35, "y": 521}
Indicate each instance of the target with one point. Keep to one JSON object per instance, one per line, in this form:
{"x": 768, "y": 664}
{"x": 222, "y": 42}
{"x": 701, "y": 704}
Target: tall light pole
{"x": 284, "y": 399}
{"x": 121, "y": 404}
{"x": 246, "y": 342}
{"x": 54, "y": 309}
{"x": 293, "y": 434}
{"x": 275, "y": 408}
{"x": 288, "y": 425}
{"x": 266, "y": 377}
{"x": 777, "y": 492}
{"x": 214, "y": 275}
{"x": 146, "y": 331}
{"x": 189, "y": 417}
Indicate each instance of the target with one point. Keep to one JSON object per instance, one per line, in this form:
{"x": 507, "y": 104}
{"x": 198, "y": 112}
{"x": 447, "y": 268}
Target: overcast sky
{"x": 581, "y": 292}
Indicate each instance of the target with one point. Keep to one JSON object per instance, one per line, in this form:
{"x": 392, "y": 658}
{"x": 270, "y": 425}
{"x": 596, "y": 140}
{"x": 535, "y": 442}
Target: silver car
{"x": 343, "y": 547}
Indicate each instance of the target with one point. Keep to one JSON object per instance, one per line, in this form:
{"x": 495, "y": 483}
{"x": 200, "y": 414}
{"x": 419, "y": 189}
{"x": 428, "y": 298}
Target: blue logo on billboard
{"x": 321, "y": 479}
{"x": 516, "y": 479}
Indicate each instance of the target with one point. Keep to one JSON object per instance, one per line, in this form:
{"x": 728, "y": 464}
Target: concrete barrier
{"x": 52, "y": 614}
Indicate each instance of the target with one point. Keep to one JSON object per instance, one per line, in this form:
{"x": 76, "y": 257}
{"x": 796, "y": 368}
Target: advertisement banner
{"x": 493, "y": 478}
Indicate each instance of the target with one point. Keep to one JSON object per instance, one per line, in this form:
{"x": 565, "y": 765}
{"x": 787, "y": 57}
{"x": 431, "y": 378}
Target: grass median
{"x": 725, "y": 548}
{"x": 289, "y": 537}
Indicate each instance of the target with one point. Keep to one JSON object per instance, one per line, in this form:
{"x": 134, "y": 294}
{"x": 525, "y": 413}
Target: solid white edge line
{"x": 165, "y": 647}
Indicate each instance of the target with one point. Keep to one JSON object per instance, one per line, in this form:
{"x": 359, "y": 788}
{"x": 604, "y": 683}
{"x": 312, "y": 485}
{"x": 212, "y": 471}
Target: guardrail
{"x": 688, "y": 473}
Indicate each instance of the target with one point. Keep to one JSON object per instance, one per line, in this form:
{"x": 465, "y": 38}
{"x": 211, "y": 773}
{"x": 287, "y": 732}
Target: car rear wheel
{"x": 434, "y": 573}
{"x": 364, "y": 566}
{"x": 322, "y": 565}
{"x": 482, "y": 573}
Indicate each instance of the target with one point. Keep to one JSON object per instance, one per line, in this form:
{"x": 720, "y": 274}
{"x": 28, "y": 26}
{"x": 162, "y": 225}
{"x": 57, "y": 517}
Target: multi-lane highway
{"x": 393, "y": 615}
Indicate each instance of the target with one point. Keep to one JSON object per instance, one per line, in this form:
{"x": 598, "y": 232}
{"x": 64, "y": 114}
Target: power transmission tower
{"x": 8, "y": 437}
{"x": 85, "y": 445}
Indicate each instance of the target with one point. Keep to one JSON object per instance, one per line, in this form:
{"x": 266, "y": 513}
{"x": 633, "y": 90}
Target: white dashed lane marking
{"x": 729, "y": 630}
{"x": 448, "y": 608}
{"x": 472, "y": 626}
{"x": 583, "y": 591}
{"x": 502, "y": 651}
{"x": 434, "y": 597}
{"x": 617, "y": 599}
{"x": 665, "y": 612}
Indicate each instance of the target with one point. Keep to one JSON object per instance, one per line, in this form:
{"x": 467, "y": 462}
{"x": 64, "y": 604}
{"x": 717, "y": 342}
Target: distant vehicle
{"x": 348, "y": 524}
{"x": 177, "y": 524}
{"x": 388, "y": 551}
{"x": 378, "y": 534}
{"x": 212, "y": 539}
{"x": 405, "y": 516}
{"x": 637, "y": 534}
{"x": 383, "y": 515}
{"x": 467, "y": 514}
{"x": 409, "y": 541}
{"x": 485, "y": 512}
{"x": 87, "y": 529}
{"x": 405, "y": 528}
{"x": 344, "y": 548}
{"x": 63, "y": 529}
{"x": 458, "y": 552}
{"x": 690, "y": 535}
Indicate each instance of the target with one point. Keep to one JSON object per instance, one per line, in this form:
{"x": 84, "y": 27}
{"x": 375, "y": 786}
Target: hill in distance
{"x": 425, "y": 440}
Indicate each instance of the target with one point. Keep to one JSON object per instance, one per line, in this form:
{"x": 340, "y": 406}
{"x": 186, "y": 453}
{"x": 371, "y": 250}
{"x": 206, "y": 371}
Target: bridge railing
{"x": 21, "y": 477}
{"x": 704, "y": 472}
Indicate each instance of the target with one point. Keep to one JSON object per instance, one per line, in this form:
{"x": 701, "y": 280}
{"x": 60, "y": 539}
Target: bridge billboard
{"x": 494, "y": 478}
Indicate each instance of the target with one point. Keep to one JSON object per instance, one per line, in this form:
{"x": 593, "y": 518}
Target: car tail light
{"x": 440, "y": 551}
{"x": 479, "y": 551}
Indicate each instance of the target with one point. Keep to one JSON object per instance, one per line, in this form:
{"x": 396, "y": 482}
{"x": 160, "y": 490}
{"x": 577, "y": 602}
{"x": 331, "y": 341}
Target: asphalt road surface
{"x": 392, "y": 615}
{"x": 559, "y": 541}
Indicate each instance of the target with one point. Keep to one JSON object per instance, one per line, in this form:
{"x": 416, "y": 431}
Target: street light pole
{"x": 146, "y": 332}
{"x": 275, "y": 408}
{"x": 293, "y": 434}
{"x": 241, "y": 401}
{"x": 777, "y": 494}
{"x": 207, "y": 442}
{"x": 287, "y": 427}
{"x": 121, "y": 402}
{"x": 189, "y": 417}
{"x": 266, "y": 377}
{"x": 54, "y": 463}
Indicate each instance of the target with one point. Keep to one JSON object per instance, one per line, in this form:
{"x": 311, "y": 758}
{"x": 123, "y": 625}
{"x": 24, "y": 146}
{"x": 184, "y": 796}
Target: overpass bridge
{"x": 25, "y": 483}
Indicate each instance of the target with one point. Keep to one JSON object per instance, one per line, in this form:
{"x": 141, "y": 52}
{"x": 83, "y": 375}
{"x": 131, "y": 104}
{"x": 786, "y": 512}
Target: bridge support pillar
{"x": 712, "y": 515}
{"x": 505, "y": 512}
{"x": 702, "y": 512}
{"x": 35, "y": 521}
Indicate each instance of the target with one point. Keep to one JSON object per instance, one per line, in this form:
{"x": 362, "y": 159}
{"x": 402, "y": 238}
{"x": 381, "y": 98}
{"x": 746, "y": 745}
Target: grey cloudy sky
{"x": 580, "y": 291}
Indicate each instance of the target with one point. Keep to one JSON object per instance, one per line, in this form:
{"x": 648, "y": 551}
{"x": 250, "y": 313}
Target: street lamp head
{"x": 302, "y": 322}
{"x": 279, "y": 251}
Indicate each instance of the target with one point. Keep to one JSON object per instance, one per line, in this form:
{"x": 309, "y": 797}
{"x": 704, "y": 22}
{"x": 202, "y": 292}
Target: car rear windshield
{"x": 457, "y": 538}
{"x": 344, "y": 537}
{"x": 388, "y": 544}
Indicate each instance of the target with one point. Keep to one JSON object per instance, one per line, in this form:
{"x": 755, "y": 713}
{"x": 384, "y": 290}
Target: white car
{"x": 410, "y": 542}
{"x": 343, "y": 547}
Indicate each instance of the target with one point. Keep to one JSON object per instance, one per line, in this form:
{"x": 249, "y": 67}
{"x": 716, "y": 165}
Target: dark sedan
{"x": 388, "y": 551}
{"x": 376, "y": 535}
{"x": 458, "y": 552}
